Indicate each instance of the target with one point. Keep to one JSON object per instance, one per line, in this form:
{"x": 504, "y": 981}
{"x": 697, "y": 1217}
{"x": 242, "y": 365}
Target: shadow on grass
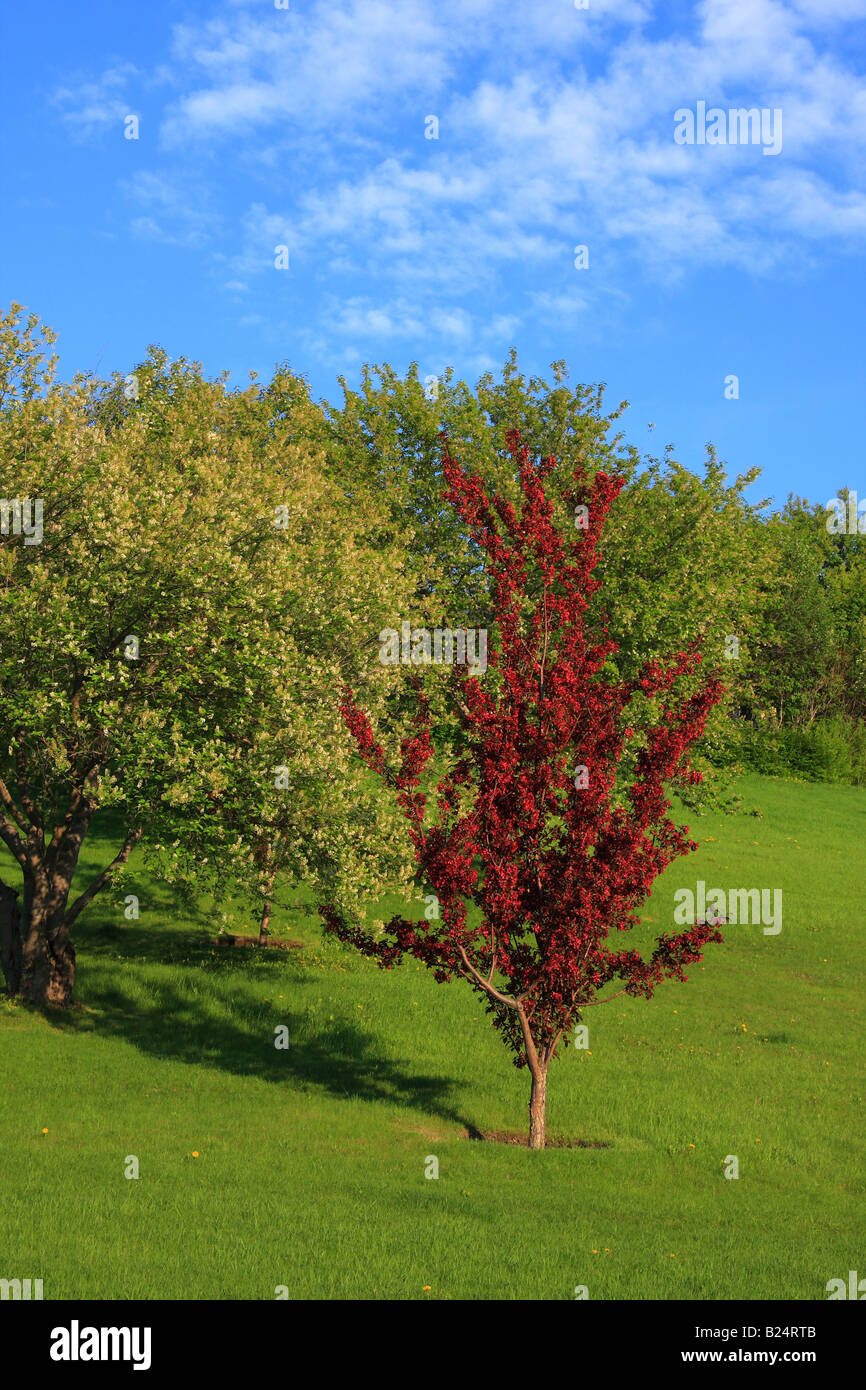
{"x": 212, "y": 1016}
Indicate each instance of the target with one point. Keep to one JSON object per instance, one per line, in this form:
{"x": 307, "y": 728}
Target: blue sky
{"x": 305, "y": 127}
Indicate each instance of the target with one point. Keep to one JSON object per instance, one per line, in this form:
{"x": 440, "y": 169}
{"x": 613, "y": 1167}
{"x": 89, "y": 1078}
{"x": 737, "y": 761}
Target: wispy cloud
{"x": 180, "y": 216}
{"x": 88, "y": 106}
{"x": 555, "y": 128}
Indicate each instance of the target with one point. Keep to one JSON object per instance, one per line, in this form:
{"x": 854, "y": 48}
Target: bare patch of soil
{"x": 504, "y": 1136}
{"x": 227, "y": 940}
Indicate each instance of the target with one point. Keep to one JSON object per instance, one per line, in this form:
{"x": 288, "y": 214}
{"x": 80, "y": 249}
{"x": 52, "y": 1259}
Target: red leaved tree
{"x": 553, "y": 861}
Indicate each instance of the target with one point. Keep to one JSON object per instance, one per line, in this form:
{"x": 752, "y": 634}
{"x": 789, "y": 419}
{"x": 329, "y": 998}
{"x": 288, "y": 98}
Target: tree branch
{"x": 19, "y": 819}
{"x": 12, "y": 840}
{"x": 99, "y": 882}
{"x": 591, "y": 1003}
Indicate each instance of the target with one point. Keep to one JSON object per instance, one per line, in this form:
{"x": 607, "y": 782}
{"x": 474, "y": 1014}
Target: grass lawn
{"x": 311, "y": 1161}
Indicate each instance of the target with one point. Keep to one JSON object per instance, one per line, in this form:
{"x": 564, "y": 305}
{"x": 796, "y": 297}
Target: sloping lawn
{"x": 310, "y": 1166}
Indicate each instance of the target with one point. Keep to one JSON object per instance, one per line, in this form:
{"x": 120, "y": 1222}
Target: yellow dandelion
{"x": 195, "y": 1153}
{"x": 45, "y": 1131}
{"x": 427, "y": 1288}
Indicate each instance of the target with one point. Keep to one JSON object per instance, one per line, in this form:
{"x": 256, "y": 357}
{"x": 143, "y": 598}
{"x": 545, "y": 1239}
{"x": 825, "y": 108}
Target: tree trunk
{"x": 266, "y": 910}
{"x": 538, "y": 1062}
{"x": 265, "y": 923}
{"x": 538, "y": 1106}
{"x": 10, "y": 939}
{"x": 48, "y": 975}
{"x": 36, "y": 949}
{"x": 48, "y": 955}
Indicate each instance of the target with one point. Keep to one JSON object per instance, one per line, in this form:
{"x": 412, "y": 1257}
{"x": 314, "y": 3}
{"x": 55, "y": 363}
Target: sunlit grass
{"x": 310, "y": 1167}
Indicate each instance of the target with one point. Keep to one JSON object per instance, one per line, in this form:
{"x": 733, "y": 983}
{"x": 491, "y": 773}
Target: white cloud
{"x": 558, "y": 307}
{"x": 88, "y": 106}
{"x": 308, "y": 68}
{"x": 556, "y": 129}
{"x": 177, "y": 215}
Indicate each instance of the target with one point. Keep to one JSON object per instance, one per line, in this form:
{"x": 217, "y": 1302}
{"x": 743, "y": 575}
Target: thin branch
{"x": 551, "y": 1048}
{"x": 591, "y": 1003}
{"x": 19, "y": 819}
{"x": 13, "y": 842}
{"x": 27, "y": 801}
{"x": 492, "y": 968}
{"x": 99, "y": 882}
{"x": 503, "y": 998}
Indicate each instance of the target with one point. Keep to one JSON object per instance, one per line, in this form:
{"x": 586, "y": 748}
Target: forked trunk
{"x": 36, "y": 950}
{"x": 48, "y": 973}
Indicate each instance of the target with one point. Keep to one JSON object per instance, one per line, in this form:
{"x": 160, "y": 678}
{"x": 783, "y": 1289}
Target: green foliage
{"x": 160, "y": 489}
{"x": 198, "y": 521}
{"x": 686, "y": 554}
{"x": 829, "y": 750}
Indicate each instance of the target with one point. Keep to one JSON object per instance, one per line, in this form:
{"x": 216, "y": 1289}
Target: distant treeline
{"x": 192, "y": 574}
{"x": 778, "y": 596}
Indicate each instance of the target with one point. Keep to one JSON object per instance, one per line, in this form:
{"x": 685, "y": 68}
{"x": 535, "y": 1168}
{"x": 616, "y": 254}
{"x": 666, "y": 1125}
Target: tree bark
{"x": 538, "y": 1063}
{"x": 265, "y": 923}
{"x": 48, "y": 973}
{"x": 10, "y": 939}
{"x": 266, "y": 910}
{"x": 538, "y": 1106}
{"x": 38, "y": 956}
{"x": 36, "y": 949}
{"x": 47, "y": 955}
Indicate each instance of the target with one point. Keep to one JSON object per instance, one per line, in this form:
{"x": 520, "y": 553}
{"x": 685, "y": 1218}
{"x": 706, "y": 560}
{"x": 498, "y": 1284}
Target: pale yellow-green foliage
{"x": 159, "y": 524}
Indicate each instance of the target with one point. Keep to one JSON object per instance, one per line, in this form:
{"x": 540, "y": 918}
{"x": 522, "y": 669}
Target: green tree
{"x": 198, "y": 590}
{"x": 683, "y": 555}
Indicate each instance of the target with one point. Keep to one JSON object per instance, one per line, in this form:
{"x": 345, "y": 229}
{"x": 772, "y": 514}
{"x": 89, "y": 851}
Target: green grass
{"x": 311, "y": 1161}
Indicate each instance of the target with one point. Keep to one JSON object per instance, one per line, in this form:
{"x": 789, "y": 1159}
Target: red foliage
{"x": 552, "y": 868}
